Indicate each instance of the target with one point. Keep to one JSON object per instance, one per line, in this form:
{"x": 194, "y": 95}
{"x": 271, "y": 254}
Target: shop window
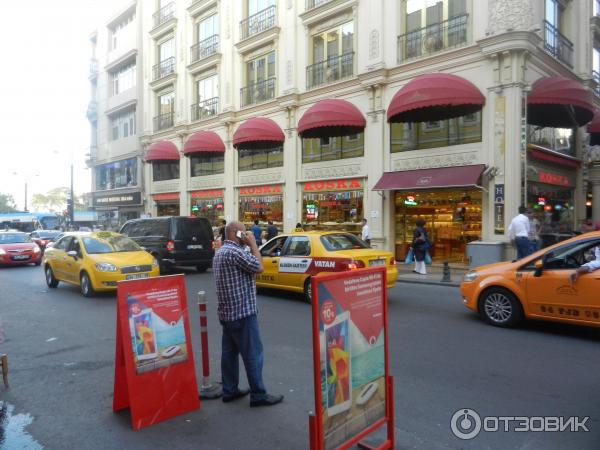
{"x": 118, "y": 174}
{"x": 333, "y": 210}
{"x": 560, "y": 140}
{"x": 328, "y": 149}
{"x": 165, "y": 170}
{"x": 212, "y": 209}
{"x": 262, "y": 208}
{"x": 442, "y": 133}
{"x": 207, "y": 164}
{"x": 260, "y": 159}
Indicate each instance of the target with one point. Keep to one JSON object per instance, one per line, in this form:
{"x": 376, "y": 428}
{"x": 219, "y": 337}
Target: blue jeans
{"x": 241, "y": 337}
{"x": 523, "y": 247}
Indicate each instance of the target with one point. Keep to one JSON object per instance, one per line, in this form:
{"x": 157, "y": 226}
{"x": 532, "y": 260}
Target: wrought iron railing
{"x": 258, "y": 92}
{"x": 163, "y": 68}
{"x": 164, "y": 14}
{"x": 163, "y": 121}
{"x": 205, "y": 108}
{"x": 330, "y": 70}
{"x": 310, "y": 4}
{"x": 204, "y": 48}
{"x": 257, "y": 23}
{"x": 557, "y": 44}
{"x": 596, "y": 77}
{"x": 433, "y": 38}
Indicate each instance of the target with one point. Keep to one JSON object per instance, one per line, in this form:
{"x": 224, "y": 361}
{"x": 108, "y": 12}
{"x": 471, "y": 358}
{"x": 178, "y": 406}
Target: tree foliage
{"x": 7, "y": 203}
{"x": 55, "y": 200}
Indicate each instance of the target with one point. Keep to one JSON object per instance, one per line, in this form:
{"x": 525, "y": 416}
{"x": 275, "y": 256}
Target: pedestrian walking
{"x": 365, "y": 233}
{"x": 234, "y": 271}
{"x": 257, "y": 232}
{"x": 518, "y": 231}
{"x": 271, "y": 230}
{"x": 420, "y": 245}
{"x": 222, "y": 231}
{"x": 535, "y": 227}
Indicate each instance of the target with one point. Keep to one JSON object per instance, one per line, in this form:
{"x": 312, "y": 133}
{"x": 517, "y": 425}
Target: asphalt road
{"x": 61, "y": 348}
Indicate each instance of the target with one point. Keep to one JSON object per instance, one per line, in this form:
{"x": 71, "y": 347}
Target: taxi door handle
{"x": 274, "y": 262}
{"x": 304, "y": 260}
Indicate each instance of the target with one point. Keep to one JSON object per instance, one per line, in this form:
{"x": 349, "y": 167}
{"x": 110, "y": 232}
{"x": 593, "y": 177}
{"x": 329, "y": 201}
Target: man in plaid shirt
{"x": 234, "y": 269}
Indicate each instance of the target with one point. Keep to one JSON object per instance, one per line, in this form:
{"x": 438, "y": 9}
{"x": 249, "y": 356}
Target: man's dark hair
{"x": 270, "y": 222}
{"x": 364, "y": 220}
{"x": 224, "y": 222}
{"x": 256, "y": 222}
{"x": 522, "y": 209}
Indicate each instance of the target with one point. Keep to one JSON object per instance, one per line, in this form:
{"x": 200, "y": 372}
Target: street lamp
{"x": 71, "y": 199}
{"x": 25, "y": 199}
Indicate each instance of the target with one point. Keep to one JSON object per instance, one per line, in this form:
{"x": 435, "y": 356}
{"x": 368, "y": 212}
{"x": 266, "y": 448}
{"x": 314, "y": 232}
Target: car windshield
{"x": 112, "y": 244}
{"x": 48, "y": 234}
{"x": 14, "y": 238}
{"x": 342, "y": 241}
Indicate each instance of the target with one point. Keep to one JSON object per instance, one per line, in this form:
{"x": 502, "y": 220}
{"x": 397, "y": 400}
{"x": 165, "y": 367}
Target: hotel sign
{"x": 129, "y": 199}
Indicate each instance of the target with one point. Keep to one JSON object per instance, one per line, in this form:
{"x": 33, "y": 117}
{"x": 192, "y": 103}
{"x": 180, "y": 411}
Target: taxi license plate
{"x": 377, "y": 262}
{"x": 194, "y": 246}
{"x": 136, "y": 276}
{"x": 20, "y": 257}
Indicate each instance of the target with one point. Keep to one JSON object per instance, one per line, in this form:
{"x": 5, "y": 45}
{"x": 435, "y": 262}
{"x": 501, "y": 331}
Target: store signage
{"x": 333, "y": 185}
{"x": 552, "y": 178}
{"x": 424, "y": 181}
{"x": 541, "y": 201}
{"x": 260, "y": 190}
{"x": 499, "y": 209}
{"x": 350, "y": 353}
{"x": 212, "y": 193}
{"x": 129, "y": 199}
{"x": 154, "y": 364}
{"x": 166, "y": 196}
{"x": 410, "y": 200}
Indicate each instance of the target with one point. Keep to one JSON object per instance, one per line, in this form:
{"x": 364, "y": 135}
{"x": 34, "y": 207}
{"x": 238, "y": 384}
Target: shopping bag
{"x": 410, "y": 257}
{"x": 427, "y": 258}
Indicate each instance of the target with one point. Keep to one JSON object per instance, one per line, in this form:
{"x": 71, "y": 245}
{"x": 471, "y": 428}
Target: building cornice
{"x": 126, "y": 57}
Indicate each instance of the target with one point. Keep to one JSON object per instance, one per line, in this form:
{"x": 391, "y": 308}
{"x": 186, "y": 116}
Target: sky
{"x": 45, "y": 90}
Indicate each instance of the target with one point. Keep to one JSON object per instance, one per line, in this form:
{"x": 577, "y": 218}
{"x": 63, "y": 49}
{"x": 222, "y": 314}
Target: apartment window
{"x": 118, "y": 174}
{"x": 207, "y": 27}
{"x": 260, "y": 80}
{"x": 166, "y": 113}
{"x": 555, "y": 42}
{"x": 332, "y": 55}
{"x": 118, "y": 31}
{"x": 261, "y": 17}
{"x": 165, "y": 170}
{"x": 255, "y": 6}
{"x": 207, "y": 164}
{"x": 328, "y": 149}
{"x": 122, "y": 124}
{"x": 166, "y": 49}
{"x": 207, "y": 98}
{"x": 123, "y": 79}
{"x": 260, "y": 159}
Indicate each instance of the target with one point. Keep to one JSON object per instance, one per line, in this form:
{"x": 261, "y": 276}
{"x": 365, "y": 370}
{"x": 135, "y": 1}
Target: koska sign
{"x": 260, "y": 190}
{"x": 130, "y": 199}
{"x": 213, "y": 193}
{"x": 166, "y": 196}
{"x": 333, "y": 185}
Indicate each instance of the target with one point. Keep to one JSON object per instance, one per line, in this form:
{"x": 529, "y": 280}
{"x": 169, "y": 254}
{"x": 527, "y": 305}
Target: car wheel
{"x": 51, "y": 281}
{"x": 500, "y": 307}
{"x": 201, "y": 268}
{"x": 308, "y": 291}
{"x": 87, "y": 290}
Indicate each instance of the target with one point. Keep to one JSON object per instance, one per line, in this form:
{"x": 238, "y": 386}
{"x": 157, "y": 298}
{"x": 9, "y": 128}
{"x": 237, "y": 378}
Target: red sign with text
{"x": 154, "y": 365}
{"x": 553, "y": 178}
{"x": 213, "y": 193}
{"x": 333, "y": 185}
{"x": 166, "y": 196}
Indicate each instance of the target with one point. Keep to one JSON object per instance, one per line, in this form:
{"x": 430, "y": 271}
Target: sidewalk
{"x": 434, "y": 275}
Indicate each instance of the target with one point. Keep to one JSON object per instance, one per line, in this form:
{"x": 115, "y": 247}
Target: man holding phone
{"x": 235, "y": 270}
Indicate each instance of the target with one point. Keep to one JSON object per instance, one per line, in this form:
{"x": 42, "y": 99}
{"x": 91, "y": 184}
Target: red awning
{"x": 204, "y": 141}
{"x": 441, "y": 177}
{"x": 559, "y": 102}
{"x": 257, "y": 133}
{"x": 436, "y": 96}
{"x": 162, "y": 151}
{"x": 331, "y": 118}
{"x": 551, "y": 156}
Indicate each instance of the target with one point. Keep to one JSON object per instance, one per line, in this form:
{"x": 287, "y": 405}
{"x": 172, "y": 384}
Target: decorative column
{"x": 184, "y": 178}
{"x": 594, "y": 178}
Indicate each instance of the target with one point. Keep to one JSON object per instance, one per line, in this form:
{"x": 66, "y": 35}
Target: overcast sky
{"x": 44, "y": 89}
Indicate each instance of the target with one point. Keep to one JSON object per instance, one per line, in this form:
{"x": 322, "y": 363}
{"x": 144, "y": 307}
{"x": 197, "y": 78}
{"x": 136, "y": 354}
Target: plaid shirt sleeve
{"x": 247, "y": 262}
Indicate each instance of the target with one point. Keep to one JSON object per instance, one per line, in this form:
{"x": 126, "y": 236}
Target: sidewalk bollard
{"x": 208, "y": 390}
{"x": 446, "y": 273}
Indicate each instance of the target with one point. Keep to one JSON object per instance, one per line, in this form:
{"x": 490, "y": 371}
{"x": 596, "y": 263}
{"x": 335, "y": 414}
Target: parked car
{"x": 43, "y": 237}
{"x": 96, "y": 261}
{"x": 290, "y": 260}
{"x": 538, "y": 286}
{"x": 17, "y": 248}
{"x": 174, "y": 240}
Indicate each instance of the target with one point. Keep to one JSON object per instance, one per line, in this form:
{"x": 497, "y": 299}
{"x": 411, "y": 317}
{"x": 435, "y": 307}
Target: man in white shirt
{"x": 519, "y": 231}
{"x": 587, "y": 267}
{"x": 365, "y": 234}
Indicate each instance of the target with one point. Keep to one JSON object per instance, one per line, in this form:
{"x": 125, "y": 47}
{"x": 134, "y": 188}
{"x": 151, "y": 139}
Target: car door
{"x": 271, "y": 253}
{"x": 73, "y": 263}
{"x": 550, "y": 292}
{"x": 294, "y": 262}
{"x": 57, "y": 257}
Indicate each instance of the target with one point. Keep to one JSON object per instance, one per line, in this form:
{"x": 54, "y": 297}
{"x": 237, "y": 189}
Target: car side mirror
{"x": 72, "y": 254}
{"x": 539, "y": 268}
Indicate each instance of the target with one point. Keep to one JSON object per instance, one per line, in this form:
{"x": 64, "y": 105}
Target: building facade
{"x": 114, "y": 113}
{"x": 497, "y": 121}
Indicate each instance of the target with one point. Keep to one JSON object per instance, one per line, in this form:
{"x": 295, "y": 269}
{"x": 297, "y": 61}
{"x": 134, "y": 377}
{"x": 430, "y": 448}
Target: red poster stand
{"x": 349, "y": 330}
{"x": 154, "y": 366}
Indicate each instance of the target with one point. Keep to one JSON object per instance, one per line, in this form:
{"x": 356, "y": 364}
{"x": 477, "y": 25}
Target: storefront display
{"x": 333, "y": 205}
{"x": 262, "y": 203}
{"x": 452, "y": 219}
{"x": 208, "y": 204}
{"x": 167, "y": 204}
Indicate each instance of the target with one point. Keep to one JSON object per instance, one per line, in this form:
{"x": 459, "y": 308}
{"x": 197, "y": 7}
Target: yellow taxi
{"x": 540, "y": 286}
{"x": 290, "y": 260}
{"x": 96, "y": 261}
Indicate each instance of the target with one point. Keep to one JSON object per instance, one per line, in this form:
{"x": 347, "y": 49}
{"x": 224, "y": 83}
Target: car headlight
{"x": 106, "y": 267}
{"x": 154, "y": 262}
{"x": 2, "y": 251}
{"x": 36, "y": 249}
{"x": 470, "y": 276}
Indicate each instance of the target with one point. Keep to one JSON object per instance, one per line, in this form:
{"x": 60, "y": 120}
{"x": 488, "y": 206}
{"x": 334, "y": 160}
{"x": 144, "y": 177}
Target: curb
{"x": 431, "y": 283}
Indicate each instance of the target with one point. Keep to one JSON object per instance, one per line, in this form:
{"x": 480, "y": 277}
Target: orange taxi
{"x": 290, "y": 260}
{"x": 538, "y": 286}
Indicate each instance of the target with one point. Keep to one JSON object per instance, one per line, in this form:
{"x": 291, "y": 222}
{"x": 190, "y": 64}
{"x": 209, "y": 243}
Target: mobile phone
{"x": 239, "y": 234}
{"x": 337, "y": 357}
{"x": 145, "y": 335}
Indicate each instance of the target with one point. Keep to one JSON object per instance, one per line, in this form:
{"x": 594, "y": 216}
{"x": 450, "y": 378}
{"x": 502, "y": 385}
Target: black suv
{"x": 174, "y": 241}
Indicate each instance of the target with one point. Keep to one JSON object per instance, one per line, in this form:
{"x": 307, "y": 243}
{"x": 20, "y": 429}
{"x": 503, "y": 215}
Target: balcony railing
{"x": 205, "y": 109}
{"x": 257, "y": 23}
{"x": 258, "y": 92}
{"x": 596, "y": 77}
{"x": 204, "y": 48}
{"x": 330, "y": 70}
{"x": 163, "y": 121}
{"x": 163, "y": 68}
{"x": 310, "y": 4}
{"x": 557, "y": 45}
{"x": 433, "y": 38}
{"x": 164, "y": 14}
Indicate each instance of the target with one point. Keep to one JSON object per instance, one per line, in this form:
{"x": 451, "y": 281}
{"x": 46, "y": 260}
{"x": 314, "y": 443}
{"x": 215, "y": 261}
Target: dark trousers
{"x": 523, "y": 247}
{"x": 241, "y": 337}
